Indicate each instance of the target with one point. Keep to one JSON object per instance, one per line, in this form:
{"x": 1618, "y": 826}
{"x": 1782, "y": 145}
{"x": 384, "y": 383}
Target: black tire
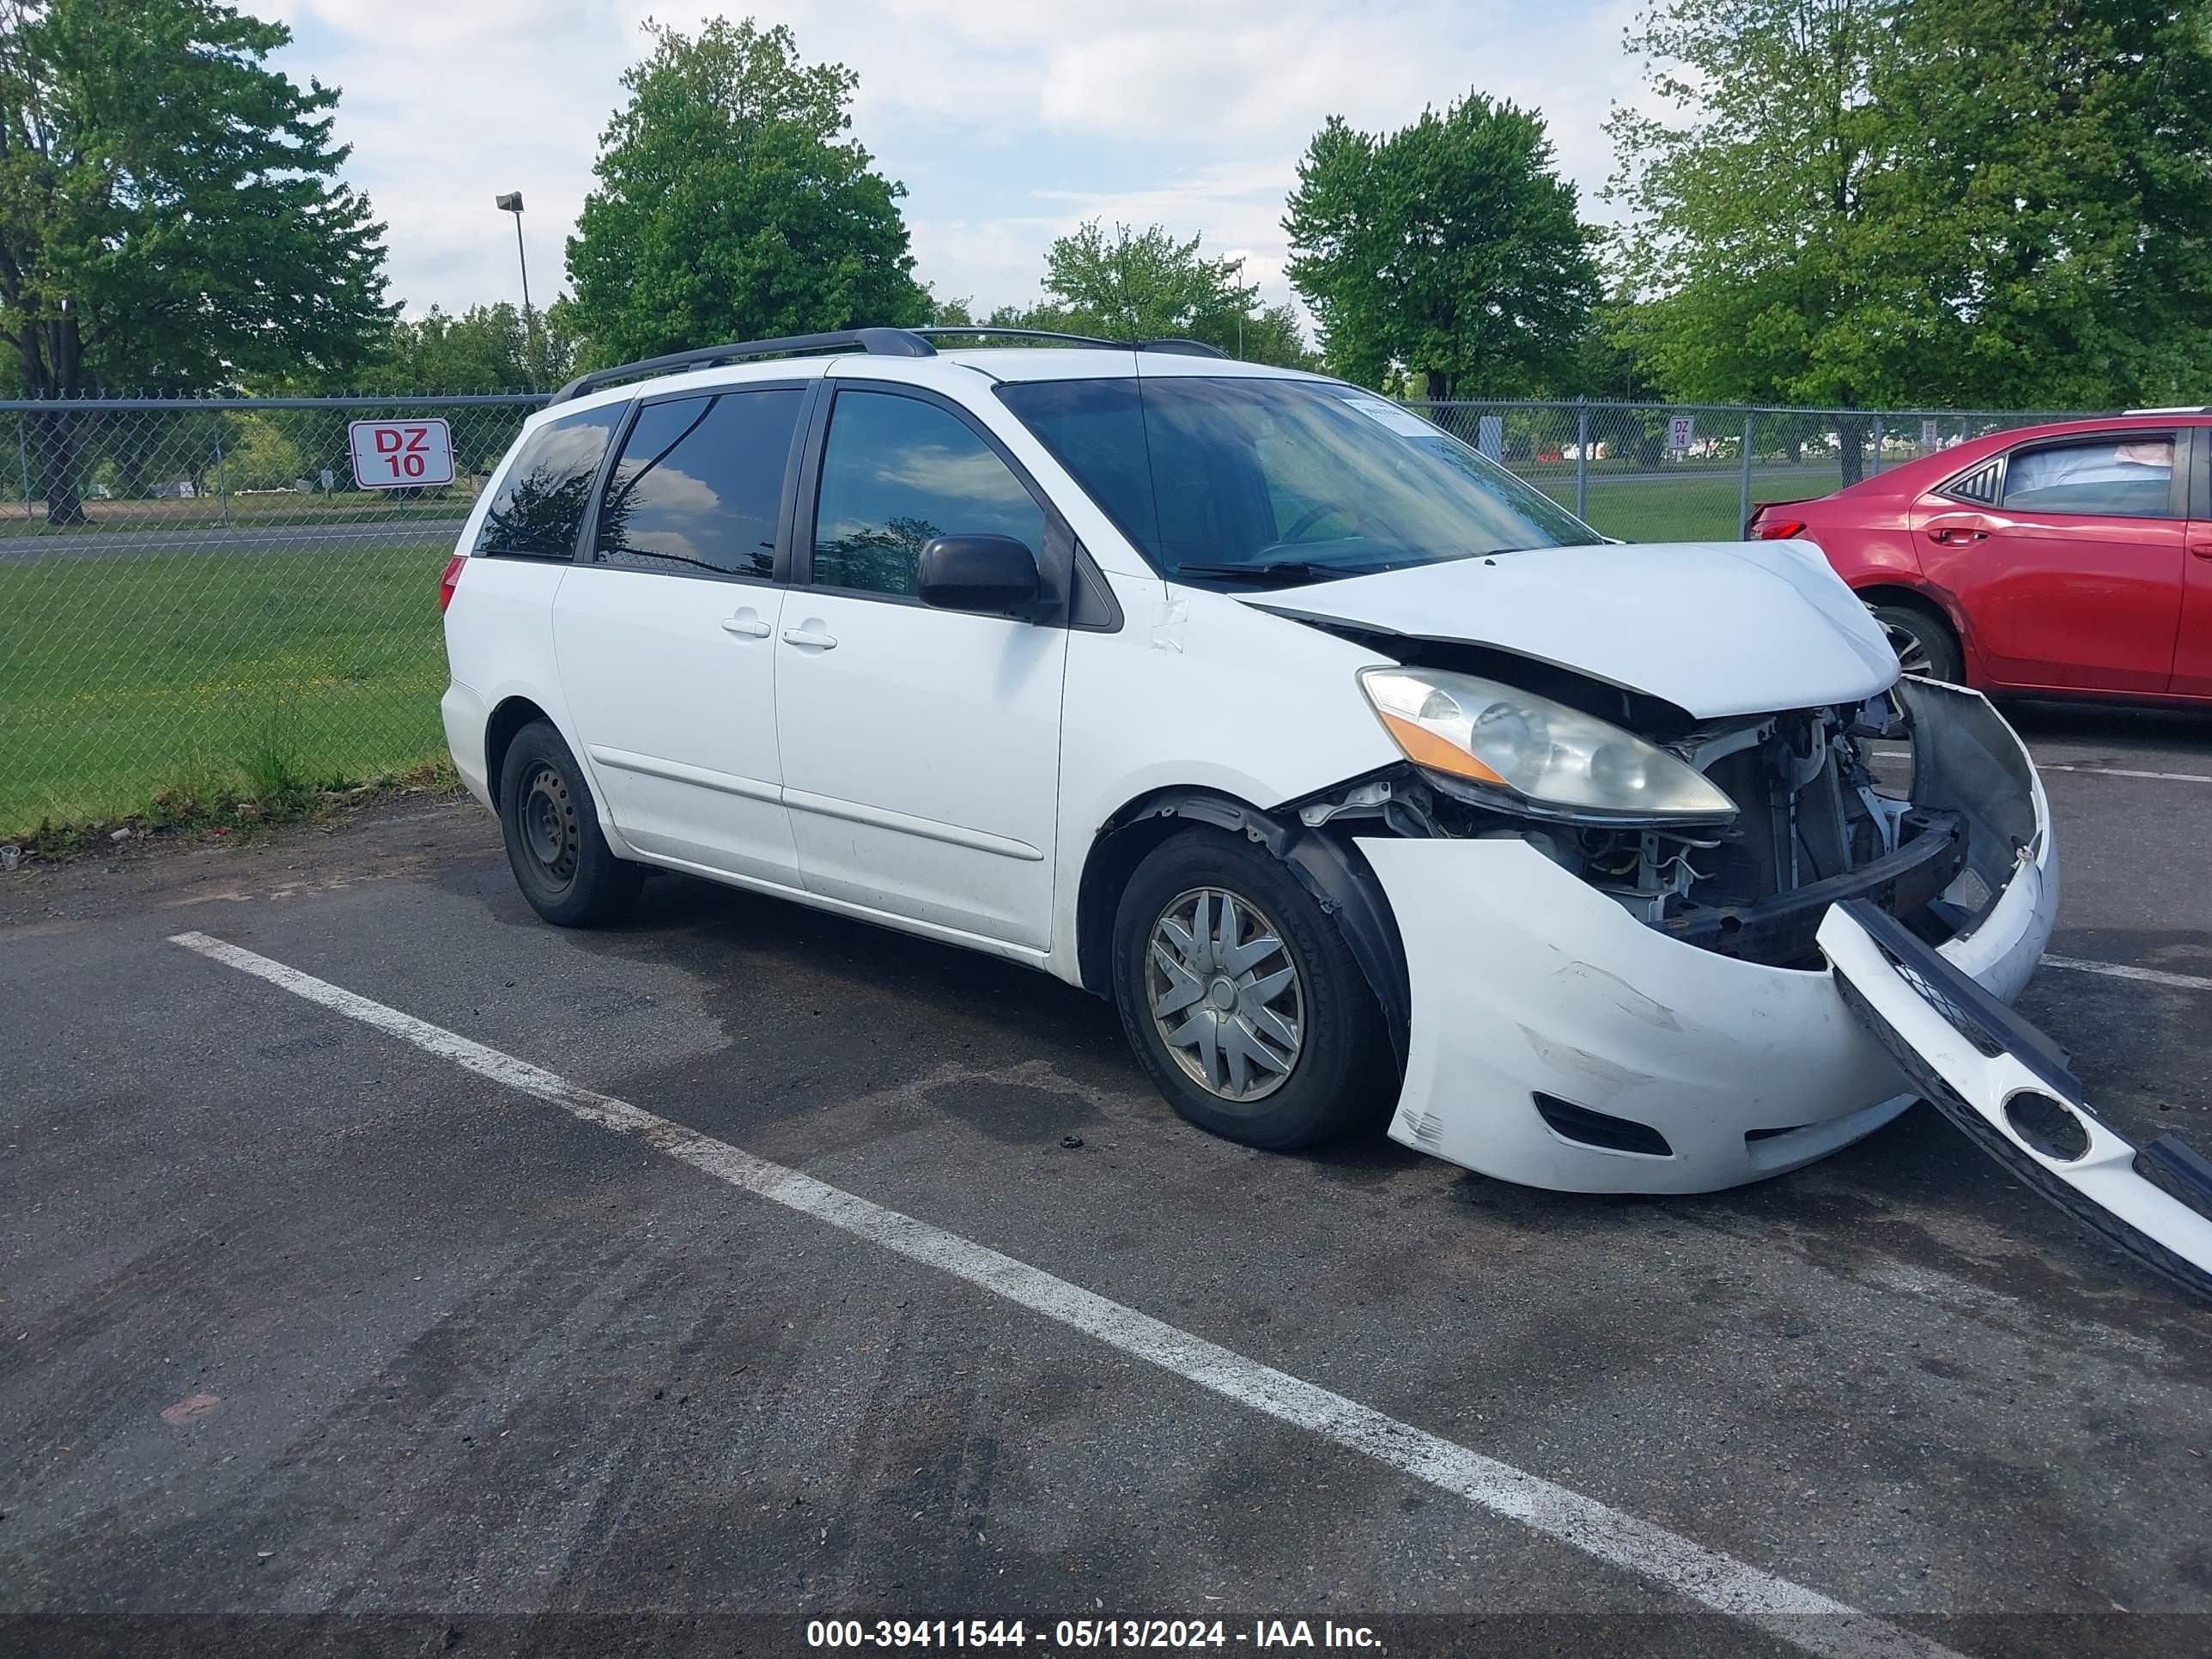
{"x": 551, "y": 824}
{"x": 1920, "y": 636}
{"x": 1341, "y": 1073}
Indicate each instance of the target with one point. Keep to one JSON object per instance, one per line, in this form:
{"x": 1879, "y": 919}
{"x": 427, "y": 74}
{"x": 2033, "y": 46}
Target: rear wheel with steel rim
{"x": 561, "y": 860}
{"x": 1923, "y": 641}
{"x": 549, "y": 825}
{"x": 1241, "y": 998}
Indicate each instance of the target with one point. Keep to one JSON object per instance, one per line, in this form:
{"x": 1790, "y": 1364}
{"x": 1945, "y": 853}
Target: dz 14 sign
{"x": 401, "y": 455}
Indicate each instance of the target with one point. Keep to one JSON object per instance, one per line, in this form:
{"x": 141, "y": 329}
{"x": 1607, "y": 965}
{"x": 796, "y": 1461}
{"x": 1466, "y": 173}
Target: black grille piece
{"x": 1614, "y": 1135}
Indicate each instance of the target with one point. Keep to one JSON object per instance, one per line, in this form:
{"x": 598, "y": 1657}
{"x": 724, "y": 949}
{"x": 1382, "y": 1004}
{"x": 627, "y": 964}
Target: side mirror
{"x": 995, "y": 575}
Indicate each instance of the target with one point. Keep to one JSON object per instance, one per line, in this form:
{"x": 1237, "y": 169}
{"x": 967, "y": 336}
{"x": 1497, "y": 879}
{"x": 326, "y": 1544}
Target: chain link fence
{"x": 198, "y": 602}
{"x": 1658, "y": 472}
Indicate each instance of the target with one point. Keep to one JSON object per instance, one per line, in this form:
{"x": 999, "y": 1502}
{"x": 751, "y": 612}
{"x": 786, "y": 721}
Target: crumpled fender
{"x": 1337, "y": 878}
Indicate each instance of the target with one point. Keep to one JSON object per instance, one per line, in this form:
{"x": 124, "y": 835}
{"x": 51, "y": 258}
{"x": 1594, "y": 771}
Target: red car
{"x": 2073, "y": 559}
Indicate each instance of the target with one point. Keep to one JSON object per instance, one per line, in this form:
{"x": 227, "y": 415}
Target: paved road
{"x": 217, "y": 538}
{"x": 438, "y": 1350}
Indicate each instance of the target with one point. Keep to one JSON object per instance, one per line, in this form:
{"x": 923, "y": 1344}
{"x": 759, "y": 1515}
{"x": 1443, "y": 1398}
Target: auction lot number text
{"x": 1069, "y": 1633}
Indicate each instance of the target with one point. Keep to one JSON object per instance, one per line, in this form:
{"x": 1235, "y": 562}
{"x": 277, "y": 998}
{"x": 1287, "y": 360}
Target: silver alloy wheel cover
{"x": 1225, "y": 994}
{"x": 1912, "y": 650}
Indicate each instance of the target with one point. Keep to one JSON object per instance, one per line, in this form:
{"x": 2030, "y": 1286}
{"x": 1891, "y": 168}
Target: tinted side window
{"x": 700, "y": 484}
{"x": 2125, "y": 477}
{"x": 540, "y": 505}
{"x": 895, "y": 473}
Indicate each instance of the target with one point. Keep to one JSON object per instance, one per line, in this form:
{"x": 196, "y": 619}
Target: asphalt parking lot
{"x": 470, "y": 1332}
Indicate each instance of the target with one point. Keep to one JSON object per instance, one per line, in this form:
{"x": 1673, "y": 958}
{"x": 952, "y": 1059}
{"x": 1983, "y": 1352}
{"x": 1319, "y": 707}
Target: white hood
{"x": 1714, "y": 628}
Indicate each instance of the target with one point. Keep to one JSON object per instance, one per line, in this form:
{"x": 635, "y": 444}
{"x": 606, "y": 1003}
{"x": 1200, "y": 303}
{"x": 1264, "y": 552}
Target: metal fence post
{"x": 221, "y": 478}
{"x": 1582, "y": 459}
{"x": 23, "y": 457}
{"x": 1743, "y": 494}
{"x": 1874, "y": 461}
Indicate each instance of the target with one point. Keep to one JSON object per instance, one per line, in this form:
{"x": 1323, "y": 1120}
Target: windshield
{"x": 1252, "y": 480}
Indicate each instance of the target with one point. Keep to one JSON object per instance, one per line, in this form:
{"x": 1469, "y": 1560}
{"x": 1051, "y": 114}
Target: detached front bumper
{"x": 1528, "y": 983}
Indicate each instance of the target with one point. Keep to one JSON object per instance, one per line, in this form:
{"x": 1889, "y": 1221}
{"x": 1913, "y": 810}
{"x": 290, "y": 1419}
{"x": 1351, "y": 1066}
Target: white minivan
{"x": 1363, "y": 776}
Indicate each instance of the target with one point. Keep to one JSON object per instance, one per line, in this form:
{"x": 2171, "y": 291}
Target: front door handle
{"x": 1952, "y": 535}
{"x": 811, "y": 636}
{"x": 746, "y": 624}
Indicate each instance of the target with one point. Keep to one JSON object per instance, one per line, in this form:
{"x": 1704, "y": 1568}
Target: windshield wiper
{"x": 1278, "y": 570}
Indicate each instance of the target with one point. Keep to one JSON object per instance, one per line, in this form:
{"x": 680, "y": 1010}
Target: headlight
{"x": 1557, "y": 760}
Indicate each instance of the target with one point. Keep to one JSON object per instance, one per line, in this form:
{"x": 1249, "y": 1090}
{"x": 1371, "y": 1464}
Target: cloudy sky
{"x": 1009, "y": 121}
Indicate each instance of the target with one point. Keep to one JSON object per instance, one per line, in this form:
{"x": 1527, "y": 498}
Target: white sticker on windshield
{"x": 1405, "y": 425}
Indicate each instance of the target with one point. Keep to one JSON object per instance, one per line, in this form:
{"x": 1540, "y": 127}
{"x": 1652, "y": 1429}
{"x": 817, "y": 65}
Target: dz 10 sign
{"x": 400, "y": 454}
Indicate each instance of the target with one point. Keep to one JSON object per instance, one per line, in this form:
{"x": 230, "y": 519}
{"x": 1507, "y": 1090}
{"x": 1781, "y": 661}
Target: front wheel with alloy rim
{"x": 1923, "y": 642}
{"x": 561, "y": 860}
{"x": 1242, "y": 999}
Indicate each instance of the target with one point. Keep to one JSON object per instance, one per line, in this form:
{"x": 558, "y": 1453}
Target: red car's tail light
{"x": 450, "y": 581}
{"x": 1776, "y": 530}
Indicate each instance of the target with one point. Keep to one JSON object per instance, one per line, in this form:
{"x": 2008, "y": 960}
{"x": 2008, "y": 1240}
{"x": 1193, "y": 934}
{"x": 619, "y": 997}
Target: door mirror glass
{"x": 995, "y": 575}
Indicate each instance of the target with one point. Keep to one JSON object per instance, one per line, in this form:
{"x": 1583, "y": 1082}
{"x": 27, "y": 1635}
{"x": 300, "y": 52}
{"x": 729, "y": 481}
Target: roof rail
{"x": 1179, "y": 347}
{"x": 1022, "y": 334}
{"x": 884, "y": 342}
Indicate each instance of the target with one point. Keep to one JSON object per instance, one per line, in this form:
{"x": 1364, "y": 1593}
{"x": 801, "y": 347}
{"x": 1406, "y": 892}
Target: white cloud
{"x": 1010, "y": 120}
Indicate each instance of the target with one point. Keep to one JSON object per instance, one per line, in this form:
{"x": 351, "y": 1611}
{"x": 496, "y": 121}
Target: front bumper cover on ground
{"x": 2010, "y": 1091}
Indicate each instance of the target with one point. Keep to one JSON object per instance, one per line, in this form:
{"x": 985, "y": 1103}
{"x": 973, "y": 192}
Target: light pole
{"x": 512, "y": 202}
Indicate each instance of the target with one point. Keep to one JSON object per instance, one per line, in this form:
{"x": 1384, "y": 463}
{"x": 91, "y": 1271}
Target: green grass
{"x": 263, "y": 675}
{"x": 142, "y": 683}
{"x": 1681, "y": 508}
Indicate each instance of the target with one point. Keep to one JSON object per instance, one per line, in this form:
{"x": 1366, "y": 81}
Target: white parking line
{"x": 2122, "y": 772}
{"x": 2121, "y": 971}
{"x": 1803, "y": 1617}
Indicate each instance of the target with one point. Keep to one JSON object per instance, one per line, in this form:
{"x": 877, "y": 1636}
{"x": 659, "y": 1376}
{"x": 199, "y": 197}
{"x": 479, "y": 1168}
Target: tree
{"x": 1150, "y": 285}
{"x": 485, "y": 349}
{"x": 258, "y": 455}
{"x": 731, "y": 205}
{"x": 1862, "y": 202}
{"x": 1451, "y": 247}
{"x": 170, "y": 211}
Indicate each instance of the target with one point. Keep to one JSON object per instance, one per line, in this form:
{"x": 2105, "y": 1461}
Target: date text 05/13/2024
{"x": 1076, "y": 1634}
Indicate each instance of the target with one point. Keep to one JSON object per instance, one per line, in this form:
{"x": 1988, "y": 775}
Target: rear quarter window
{"x": 1978, "y": 485}
{"x": 538, "y": 510}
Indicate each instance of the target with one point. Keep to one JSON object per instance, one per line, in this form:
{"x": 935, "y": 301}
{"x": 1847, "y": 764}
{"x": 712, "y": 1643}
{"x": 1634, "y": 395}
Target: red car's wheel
{"x": 1923, "y": 641}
